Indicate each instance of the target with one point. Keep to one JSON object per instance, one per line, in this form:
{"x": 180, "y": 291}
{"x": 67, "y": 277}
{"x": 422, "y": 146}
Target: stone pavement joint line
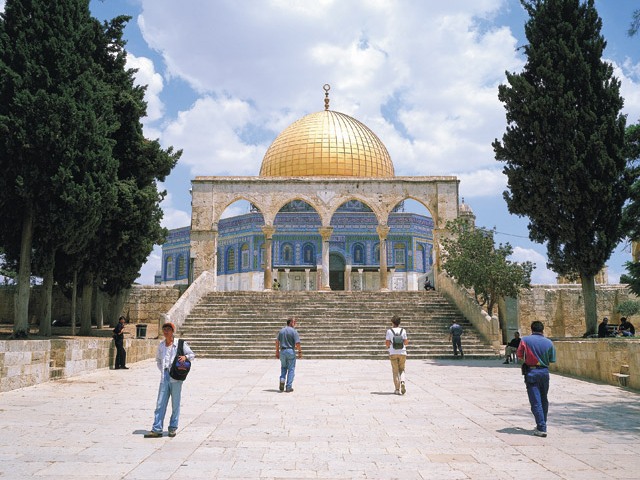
{"x": 465, "y": 419}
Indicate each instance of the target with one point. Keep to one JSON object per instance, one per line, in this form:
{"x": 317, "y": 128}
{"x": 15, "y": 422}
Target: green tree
{"x": 471, "y": 257}
{"x": 55, "y": 121}
{"x": 563, "y": 147}
{"x": 631, "y": 212}
{"x": 130, "y": 225}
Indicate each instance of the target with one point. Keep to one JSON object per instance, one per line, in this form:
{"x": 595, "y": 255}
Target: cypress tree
{"x": 563, "y": 146}
{"x": 55, "y": 121}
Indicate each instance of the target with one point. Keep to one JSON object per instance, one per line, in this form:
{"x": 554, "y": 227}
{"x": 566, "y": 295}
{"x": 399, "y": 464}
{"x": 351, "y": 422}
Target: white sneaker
{"x": 538, "y": 433}
{"x": 403, "y": 389}
{"x": 397, "y": 392}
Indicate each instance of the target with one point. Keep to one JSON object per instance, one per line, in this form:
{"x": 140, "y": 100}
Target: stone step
{"x": 331, "y": 324}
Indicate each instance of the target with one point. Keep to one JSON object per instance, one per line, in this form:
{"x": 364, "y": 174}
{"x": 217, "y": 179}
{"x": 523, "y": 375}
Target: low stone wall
{"x": 598, "y": 359}
{"x": 561, "y": 308}
{"x": 488, "y": 327}
{"x": 145, "y": 304}
{"x": 24, "y": 363}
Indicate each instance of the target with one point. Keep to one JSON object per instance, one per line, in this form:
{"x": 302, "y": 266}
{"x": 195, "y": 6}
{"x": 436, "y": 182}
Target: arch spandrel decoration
{"x": 211, "y": 195}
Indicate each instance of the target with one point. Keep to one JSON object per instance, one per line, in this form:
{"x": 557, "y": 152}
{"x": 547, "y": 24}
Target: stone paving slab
{"x": 465, "y": 419}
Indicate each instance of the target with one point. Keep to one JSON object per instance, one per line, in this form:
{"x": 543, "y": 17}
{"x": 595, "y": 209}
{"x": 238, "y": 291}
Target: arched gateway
{"x": 325, "y": 159}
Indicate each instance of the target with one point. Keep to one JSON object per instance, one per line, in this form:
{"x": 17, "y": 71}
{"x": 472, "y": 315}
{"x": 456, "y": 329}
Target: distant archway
{"x": 336, "y": 271}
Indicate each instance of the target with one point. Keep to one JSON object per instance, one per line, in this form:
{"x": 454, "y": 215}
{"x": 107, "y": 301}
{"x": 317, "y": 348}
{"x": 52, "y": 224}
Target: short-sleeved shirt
{"x": 456, "y": 330}
{"x": 288, "y": 337}
{"x": 537, "y": 350}
{"x": 396, "y": 351}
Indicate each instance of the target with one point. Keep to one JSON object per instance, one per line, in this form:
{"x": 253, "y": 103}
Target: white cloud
{"x": 482, "y": 183}
{"x": 210, "y": 134}
{"x": 541, "y": 274}
{"x": 263, "y": 64}
{"x": 146, "y": 75}
{"x": 173, "y": 217}
{"x": 151, "y": 266}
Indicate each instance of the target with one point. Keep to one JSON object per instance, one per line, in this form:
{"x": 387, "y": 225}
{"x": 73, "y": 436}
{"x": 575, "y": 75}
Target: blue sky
{"x": 226, "y": 76}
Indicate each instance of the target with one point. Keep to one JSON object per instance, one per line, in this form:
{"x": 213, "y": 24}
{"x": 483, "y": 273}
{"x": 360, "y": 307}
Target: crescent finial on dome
{"x": 326, "y": 87}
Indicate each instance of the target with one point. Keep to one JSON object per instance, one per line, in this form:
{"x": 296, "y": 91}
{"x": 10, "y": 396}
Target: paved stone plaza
{"x": 458, "y": 420}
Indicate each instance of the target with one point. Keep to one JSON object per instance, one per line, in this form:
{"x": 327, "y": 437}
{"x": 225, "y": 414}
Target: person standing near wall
{"x": 118, "y": 339}
{"x": 536, "y": 353}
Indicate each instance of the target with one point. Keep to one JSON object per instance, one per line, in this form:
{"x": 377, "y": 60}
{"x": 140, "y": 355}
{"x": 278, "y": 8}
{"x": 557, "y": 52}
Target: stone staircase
{"x": 331, "y": 324}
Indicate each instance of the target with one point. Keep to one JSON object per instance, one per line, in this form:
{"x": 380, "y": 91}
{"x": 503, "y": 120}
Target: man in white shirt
{"x": 169, "y": 387}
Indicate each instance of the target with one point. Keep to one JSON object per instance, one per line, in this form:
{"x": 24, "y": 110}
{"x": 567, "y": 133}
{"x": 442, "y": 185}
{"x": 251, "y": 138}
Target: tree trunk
{"x": 98, "y": 303}
{"x": 21, "y": 321}
{"x": 85, "y": 318}
{"x": 116, "y": 304}
{"x": 590, "y": 310}
{"x": 74, "y": 301}
{"x": 47, "y": 289}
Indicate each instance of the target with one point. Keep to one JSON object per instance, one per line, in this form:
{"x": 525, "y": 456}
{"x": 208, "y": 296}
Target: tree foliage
{"x": 631, "y": 212}
{"x": 78, "y": 194}
{"x": 563, "y": 146}
{"x": 471, "y": 257}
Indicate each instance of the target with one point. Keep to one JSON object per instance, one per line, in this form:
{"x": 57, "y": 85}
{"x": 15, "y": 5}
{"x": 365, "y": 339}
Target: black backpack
{"x": 397, "y": 341}
{"x": 179, "y": 370}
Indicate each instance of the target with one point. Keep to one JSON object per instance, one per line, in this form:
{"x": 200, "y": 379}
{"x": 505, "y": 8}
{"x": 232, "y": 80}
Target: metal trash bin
{"x": 141, "y": 330}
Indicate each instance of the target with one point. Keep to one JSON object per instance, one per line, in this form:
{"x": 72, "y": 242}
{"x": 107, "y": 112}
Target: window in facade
{"x": 419, "y": 265}
{"x": 399, "y": 254}
{"x": 244, "y": 257}
{"x": 358, "y": 254}
{"x": 287, "y": 254}
{"x": 376, "y": 253}
{"x": 169, "y": 273}
{"x": 308, "y": 256}
{"x": 231, "y": 259}
{"x": 182, "y": 267}
{"x": 262, "y": 256}
{"x": 219, "y": 262}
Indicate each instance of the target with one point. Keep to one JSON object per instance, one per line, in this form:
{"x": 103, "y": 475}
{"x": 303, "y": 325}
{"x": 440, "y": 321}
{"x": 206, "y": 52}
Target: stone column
{"x": 360, "y": 272}
{"x": 287, "y": 285}
{"x": 325, "y": 232}
{"x": 392, "y": 270}
{"x": 383, "y": 231}
{"x": 306, "y": 278}
{"x": 204, "y": 249}
{"x": 268, "y": 231}
{"x": 438, "y": 235}
{"x": 347, "y": 276}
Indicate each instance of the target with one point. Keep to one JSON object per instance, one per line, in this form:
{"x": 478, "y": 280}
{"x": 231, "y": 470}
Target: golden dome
{"x": 329, "y": 144}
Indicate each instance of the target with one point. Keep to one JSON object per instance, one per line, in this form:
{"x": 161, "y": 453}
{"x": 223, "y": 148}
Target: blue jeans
{"x": 537, "y": 382}
{"x": 287, "y": 366}
{"x": 167, "y": 389}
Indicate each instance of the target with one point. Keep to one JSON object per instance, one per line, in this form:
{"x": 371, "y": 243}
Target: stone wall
{"x": 24, "y": 363}
{"x": 561, "y": 308}
{"x": 145, "y": 304}
{"x": 598, "y": 359}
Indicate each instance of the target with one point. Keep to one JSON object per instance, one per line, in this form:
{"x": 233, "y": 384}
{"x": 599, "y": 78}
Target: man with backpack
{"x": 166, "y": 353}
{"x": 397, "y": 342}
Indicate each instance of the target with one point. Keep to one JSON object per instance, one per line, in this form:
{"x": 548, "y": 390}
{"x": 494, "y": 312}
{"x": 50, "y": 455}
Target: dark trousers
{"x": 537, "y": 381}
{"x": 457, "y": 344}
{"x": 121, "y": 354}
